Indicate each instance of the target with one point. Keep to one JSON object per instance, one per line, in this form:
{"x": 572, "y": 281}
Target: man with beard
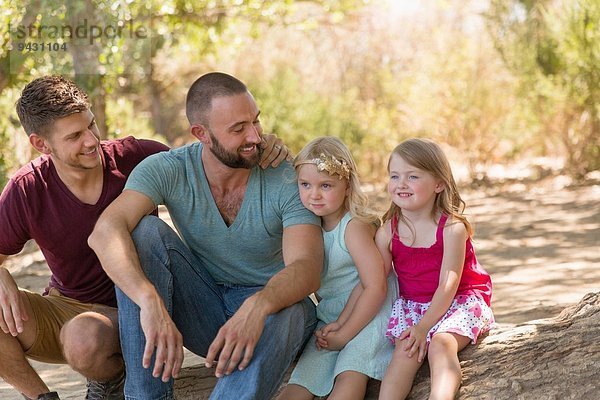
{"x": 233, "y": 285}
{"x": 56, "y": 200}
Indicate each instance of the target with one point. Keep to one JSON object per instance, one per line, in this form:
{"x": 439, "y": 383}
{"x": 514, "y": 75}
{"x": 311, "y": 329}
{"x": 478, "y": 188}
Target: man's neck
{"x": 227, "y": 186}
{"x": 221, "y": 177}
{"x": 85, "y": 184}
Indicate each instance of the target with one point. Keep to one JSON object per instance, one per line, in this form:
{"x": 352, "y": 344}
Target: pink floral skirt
{"x": 468, "y": 316}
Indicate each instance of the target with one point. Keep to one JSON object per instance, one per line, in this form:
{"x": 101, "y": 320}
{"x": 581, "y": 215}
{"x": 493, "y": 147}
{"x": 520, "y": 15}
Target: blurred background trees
{"x": 495, "y": 81}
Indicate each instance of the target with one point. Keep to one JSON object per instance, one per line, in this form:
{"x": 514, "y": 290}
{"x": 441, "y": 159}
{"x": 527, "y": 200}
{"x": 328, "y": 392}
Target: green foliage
{"x": 127, "y": 121}
{"x": 3, "y": 158}
{"x": 13, "y": 140}
{"x": 554, "y": 49}
{"x": 373, "y": 77}
{"x": 298, "y": 113}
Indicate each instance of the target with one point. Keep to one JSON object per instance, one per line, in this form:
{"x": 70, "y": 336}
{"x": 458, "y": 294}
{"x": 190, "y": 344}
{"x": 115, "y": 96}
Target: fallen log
{"x": 547, "y": 359}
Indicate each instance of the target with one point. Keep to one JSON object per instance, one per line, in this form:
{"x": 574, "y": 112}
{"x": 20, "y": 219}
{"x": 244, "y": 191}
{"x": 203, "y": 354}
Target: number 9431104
{"x": 43, "y": 46}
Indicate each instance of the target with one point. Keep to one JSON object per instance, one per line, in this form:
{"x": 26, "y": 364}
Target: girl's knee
{"x": 349, "y": 385}
{"x": 352, "y": 378}
{"x": 447, "y": 344}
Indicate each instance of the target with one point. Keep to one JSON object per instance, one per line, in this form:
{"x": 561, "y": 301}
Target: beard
{"x": 233, "y": 159}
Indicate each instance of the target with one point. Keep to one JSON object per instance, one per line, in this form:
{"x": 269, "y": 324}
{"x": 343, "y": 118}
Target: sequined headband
{"x": 330, "y": 164}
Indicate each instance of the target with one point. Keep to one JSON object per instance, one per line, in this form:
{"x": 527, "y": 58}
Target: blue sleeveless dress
{"x": 369, "y": 352}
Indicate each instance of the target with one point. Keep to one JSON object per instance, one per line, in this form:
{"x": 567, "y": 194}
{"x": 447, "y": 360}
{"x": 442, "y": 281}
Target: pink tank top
{"x": 418, "y": 268}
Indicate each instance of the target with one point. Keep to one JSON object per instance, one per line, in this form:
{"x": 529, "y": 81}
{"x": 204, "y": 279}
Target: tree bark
{"x": 547, "y": 359}
{"x": 88, "y": 74}
{"x": 12, "y": 64}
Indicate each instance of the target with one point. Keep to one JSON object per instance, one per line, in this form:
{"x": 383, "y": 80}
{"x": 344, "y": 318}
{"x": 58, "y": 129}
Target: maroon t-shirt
{"x": 36, "y": 204}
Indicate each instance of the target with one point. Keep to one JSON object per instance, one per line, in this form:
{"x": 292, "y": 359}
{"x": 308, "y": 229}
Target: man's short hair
{"x": 200, "y": 96}
{"x": 46, "y": 99}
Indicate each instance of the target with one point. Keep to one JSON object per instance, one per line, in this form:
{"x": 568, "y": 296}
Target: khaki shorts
{"x": 51, "y": 312}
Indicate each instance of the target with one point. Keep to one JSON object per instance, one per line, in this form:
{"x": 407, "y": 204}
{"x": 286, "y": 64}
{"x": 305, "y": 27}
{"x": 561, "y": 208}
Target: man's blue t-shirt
{"x": 249, "y": 252}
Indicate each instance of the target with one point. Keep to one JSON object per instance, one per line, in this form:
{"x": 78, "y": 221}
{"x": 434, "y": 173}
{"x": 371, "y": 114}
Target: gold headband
{"x": 330, "y": 164}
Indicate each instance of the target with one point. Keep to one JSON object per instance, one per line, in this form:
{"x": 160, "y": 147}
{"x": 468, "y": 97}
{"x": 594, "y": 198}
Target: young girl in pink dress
{"x": 444, "y": 300}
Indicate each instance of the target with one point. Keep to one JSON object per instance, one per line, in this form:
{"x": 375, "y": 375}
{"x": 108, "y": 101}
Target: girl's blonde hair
{"x": 429, "y": 156}
{"x": 357, "y": 202}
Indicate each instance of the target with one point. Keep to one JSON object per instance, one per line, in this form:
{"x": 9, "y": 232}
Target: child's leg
{"x": 295, "y": 392}
{"x": 444, "y": 364}
{"x": 349, "y": 385}
{"x": 399, "y": 375}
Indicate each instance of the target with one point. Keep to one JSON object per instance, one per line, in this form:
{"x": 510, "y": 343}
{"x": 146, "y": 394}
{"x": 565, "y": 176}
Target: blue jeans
{"x": 199, "y": 307}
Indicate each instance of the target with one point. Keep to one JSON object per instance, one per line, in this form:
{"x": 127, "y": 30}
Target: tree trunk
{"x": 548, "y": 359}
{"x": 156, "y": 108}
{"x": 88, "y": 74}
{"x": 12, "y": 64}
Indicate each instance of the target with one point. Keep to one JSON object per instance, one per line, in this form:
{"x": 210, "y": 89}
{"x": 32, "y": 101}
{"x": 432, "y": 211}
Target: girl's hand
{"x": 334, "y": 340}
{"x": 414, "y": 341}
{"x": 321, "y": 334}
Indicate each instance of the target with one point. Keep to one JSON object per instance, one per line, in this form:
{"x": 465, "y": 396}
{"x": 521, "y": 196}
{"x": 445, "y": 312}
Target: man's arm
{"x": 111, "y": 240}
{"x": 11, "y": 303}
{"x": 303, "y": 257}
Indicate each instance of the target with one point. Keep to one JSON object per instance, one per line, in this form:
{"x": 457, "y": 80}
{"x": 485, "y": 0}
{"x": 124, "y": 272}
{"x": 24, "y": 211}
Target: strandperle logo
{"x": 118, "y": 46}
{"x": 83, "y": 30}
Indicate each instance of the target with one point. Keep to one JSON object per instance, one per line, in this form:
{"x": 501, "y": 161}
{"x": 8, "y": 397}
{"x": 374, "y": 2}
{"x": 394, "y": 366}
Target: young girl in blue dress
{"x": 445, "y": 295}
{"x": 348, "y": 346}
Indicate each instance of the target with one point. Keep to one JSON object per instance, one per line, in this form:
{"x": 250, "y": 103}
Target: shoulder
{"x": 360, "y": 229}
{"x": 34, "y": 172}
{"x": 385, "y": 231}
{"x": 131, "y": 144}
{"x": 174, "y": 157}
{"x": 130, "y": 149}
{"x": 284, "y": 173}
{"x": 280, "y": 181}
{"x": 358, "y": 234}
{"x": 455, "y": 231}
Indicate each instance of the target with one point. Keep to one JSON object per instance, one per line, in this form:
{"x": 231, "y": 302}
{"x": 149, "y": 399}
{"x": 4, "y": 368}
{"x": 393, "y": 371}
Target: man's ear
{"x": 39, "y": 143}
{"x": 200, "y": 133}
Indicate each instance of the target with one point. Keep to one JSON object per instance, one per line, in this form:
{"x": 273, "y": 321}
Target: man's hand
{"x": 237, "y": 339}
{"x": 11, "y": 303}
{"x": 274, "y": 151}
{"x": 162, "y": 334}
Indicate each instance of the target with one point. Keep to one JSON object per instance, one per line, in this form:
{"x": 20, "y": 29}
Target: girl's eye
{"x": 326, "y": 186}
{"x": 304, "y": 185}
{"x": 393, "y": 177}
{"x": 413, "y": 177}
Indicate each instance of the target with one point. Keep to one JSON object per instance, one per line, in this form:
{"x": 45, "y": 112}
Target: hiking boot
{"x": 46, "y": 396}
{"x": 109, "y": 390}
{"x": 49, "y": 396}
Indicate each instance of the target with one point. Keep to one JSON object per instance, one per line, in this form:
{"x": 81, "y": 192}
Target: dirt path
{"x": 540, "y": 243}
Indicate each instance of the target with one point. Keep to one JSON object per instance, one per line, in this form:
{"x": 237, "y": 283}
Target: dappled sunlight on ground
{"x": 541, "y": 248}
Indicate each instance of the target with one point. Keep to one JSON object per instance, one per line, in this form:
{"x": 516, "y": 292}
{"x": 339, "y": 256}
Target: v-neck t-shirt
{"x": 249, "y": 251}
{"x": 36, "y": 204}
